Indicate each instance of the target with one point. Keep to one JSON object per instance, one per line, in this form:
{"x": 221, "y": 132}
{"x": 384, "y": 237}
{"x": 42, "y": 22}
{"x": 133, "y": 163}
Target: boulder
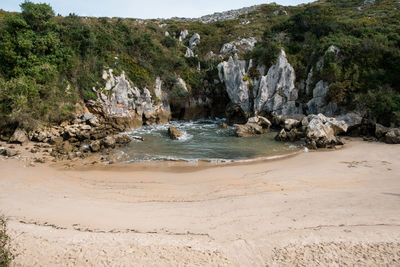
{"x": 122, "y": 139}
{"x": 254, "y": 126}
{"x": 19, "y": 137}
{"x": 393, "y": 136}
{"x": 174, "y": 133}
{"x": 289, "y": 136}
{"x": 109, "y": 142}
{"x": 95, "y": 146}
{"x": 321, "y": 132}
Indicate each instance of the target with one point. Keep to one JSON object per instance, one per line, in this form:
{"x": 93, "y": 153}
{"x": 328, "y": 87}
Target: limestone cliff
{"x": 130, "y": 107}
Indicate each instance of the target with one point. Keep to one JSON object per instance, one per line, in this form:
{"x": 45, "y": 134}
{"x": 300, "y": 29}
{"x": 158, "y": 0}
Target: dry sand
{"x": 320, "y": 208}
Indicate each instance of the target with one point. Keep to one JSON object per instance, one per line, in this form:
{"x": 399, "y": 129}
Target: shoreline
{"x": 338, "y": 206}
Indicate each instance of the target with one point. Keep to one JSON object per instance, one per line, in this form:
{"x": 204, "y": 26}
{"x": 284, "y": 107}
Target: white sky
{"x": 145, "y": 8}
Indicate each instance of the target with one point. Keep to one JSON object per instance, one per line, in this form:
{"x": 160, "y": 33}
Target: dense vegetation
{"x": 367, "y": 71}
{"x": 5, "y": 253}
{"x": 50, "y": 63}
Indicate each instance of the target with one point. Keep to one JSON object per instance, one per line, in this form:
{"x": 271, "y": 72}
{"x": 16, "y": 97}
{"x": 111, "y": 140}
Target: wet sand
{"x": 337, "y": 207}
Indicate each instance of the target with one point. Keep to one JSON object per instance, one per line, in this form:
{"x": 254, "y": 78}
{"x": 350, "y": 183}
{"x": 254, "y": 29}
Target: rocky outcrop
{"x": 125, "y": 106}
{"x": 245, "y": 44}
{"x": 318, "y": 103}
{"x": 277, "y": 92}
{"x": 220, "y": 16}
{"x": 232, "y": 73}
{"x": 322, "y": 131}
{"x": 274, "y": 92}
{"x": 254, "y": 126}
{"x": 194, "y": 41}
{"x": 174, "y": 133}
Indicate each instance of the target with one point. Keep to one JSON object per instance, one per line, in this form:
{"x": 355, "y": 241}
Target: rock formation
{"x": 129, "y": 107}
{"x": 276, "y": 92}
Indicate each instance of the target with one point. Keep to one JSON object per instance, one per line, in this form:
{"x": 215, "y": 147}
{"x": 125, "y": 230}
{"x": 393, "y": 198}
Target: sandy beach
{"x": 338, "y": 207}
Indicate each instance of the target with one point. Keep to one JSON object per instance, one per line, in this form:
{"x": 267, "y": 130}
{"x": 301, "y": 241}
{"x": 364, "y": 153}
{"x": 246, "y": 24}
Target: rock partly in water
{"x": 254, "y": 126}
{"x": 174, "y": 133}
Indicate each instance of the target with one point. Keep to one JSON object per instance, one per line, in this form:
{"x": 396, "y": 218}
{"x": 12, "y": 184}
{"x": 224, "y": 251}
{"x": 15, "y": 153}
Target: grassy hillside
{"x": 51, "y": 63}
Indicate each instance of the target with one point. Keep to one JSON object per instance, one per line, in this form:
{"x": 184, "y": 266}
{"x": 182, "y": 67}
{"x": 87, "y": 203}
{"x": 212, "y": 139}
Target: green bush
{"x": 5, "y": 250}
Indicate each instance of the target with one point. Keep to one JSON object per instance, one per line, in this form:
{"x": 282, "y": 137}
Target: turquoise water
{"x": 202, "y": 140}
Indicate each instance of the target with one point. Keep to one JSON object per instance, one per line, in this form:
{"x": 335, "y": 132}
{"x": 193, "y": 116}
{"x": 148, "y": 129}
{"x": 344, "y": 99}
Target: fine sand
{"x": 334, "y": 208}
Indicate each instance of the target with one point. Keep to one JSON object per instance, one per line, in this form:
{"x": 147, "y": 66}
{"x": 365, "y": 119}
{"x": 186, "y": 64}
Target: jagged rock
{"x": 19, "y": 137}
{"x": 231, "y": 73}
{"x": 194, "y": 41}
{"x": 393, "y": 136}
{"x": 174, "y": 133}
{"x": 126, "y": 106}
{"x": 182, "y": 84}
{"x": 245, "y": 44}
{"x": 321, "y": 131}
{"x": 228, "y": 48}
{"x": 254, "y": 126}
{"x": 380, "y": 131}
{"x": 276, "y": 92}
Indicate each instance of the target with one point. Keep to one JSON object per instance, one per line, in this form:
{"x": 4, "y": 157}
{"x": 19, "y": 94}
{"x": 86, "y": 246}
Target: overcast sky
{"x": 144, "y": 8}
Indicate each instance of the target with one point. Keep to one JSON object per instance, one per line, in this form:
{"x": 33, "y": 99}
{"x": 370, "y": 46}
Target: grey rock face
{"x": 231, "y": 73}
{"x": 276, "y": 92}
{"x": 194, "y": 41}
{"x": 318, "y": 103}
{"x": 129, "y": 106}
